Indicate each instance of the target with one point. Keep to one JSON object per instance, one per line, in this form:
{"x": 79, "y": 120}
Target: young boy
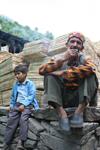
{"x": 23, "y": 99}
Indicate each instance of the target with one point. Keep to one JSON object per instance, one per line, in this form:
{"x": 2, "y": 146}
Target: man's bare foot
{"x": 62, "y": 113}
{"x": 80, "y": 108}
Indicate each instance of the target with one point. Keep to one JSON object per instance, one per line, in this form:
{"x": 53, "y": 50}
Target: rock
{"x": 91, "y": 114}
{"x": 41, "y": 147}
{"x": 98, "y": 131}
{"x": 73, "y": 138}
{"x": 35, "y": 126}
{"x": 4, "y": 111}
{"x": 55, "y": 143}
{"x": 98, "y": 148}
{"x": 13, "y": 146}
{"x": 87, "y": 127}
{"x": 50, "y": 114}
{"x": 46, "y": 125}
{"x": 30, "y": 144}
{"x": 3, "y": 119}
{"x": 32, "y": 136}
{"x": 2, "y": 129}
{"x": 47, "y": 114}
{"x": 92, "y": 144}
{"x": 1, "y": 138}
{"x": 99, "y": 141}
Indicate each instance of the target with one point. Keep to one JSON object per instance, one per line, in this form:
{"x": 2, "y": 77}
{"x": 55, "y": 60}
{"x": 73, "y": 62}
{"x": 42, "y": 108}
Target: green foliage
{"x": 25, "y": 32}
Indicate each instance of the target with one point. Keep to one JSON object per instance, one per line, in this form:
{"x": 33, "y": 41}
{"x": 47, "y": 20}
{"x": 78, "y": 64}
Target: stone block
{"x": 4, "y": 111}
{"x": 40, "y": 146}
{"x": 73, "y": 138}
{"x": 30, "y": 144}
{"x": 32, "y": 136}
{"x": 91, "y": 114}
{"x": 2, "y": 129}
{"x": 35, "y": 126}
{"x": 56, "y": 143}
{"x": 98, "y": 131}
{"x": 50, "y": 114}
{"x": 3, "y": 119}
{"x": 87, "y": 127}
{"x": 91, "y": 144}
{"x": 46, "y": 125}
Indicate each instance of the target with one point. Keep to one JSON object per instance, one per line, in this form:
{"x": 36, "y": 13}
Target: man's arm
{"x": 84, "y": 70}
{"x": 51, "y": 66}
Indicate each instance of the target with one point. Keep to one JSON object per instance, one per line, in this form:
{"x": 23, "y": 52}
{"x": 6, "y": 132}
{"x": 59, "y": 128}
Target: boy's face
{"x": 20, "y": 76}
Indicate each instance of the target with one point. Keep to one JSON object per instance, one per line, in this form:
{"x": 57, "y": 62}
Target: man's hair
{"x": 20, "y": 68}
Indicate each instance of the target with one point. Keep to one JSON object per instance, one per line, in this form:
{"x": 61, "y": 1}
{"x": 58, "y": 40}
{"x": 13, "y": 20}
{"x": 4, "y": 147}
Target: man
{"x": 70, "y": 81}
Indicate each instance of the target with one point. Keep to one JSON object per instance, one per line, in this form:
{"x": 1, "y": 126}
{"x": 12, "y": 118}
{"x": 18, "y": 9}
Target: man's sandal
{"x": 64, "y": 125}
{"x": 76, "y": 121}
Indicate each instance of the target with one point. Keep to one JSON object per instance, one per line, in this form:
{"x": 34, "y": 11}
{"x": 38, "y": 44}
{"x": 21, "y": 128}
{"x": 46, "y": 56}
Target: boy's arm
{"x": 12, "y": 98}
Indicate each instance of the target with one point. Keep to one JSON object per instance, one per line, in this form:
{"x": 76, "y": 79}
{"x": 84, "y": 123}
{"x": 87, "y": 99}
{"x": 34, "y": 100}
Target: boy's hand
{"x": 10, "y": 108}
{"x": 21, "y": 108}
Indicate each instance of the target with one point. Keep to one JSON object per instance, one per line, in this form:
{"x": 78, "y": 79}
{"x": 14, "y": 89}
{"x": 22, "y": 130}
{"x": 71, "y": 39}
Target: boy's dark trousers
{"x": 15, "y": 118}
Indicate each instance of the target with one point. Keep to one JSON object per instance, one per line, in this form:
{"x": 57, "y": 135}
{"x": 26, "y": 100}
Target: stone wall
{"x": 44, "y": 134}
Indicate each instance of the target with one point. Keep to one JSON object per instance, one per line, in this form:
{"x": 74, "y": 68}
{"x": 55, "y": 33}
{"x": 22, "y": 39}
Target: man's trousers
{"x": 55, "y": 91}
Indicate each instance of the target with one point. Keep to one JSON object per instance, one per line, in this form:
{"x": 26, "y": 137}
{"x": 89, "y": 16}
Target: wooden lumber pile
{"x": 5, "y": 98}
{"x": 4, "y": 55}
{"x": 38, "y": 52}
{"x": 44, "y": 47}
{"x": 33, "y": 73}
{"x": 6, "y": 81}
{"x": 57, "y": 45}
{"x": 9, "y": 64}
{"x": 35, "y": 49}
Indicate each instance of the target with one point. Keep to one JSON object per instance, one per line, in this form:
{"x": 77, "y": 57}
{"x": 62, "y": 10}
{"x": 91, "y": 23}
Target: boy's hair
{"x": 20, "y": 68}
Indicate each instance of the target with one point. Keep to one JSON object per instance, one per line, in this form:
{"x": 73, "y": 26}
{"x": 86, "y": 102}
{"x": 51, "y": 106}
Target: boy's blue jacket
{"x": 31, "y": 92}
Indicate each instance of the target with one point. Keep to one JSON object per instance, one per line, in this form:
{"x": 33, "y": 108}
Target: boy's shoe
{"x": 4, "y": 146}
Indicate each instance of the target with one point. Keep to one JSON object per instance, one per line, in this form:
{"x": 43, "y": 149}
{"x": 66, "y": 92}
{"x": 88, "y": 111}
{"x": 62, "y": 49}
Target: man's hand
{"x": 21, "y": 108}
{"x": 56, "y": 73}
{"x": 70, "y": 54}
{"x": 10, "y": 108}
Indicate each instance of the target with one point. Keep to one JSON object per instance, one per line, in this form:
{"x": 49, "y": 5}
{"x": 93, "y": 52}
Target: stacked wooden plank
{"x": 57, "y": 45}
{"x": 9, "y": 64}
{"x": 4, "y": 55}
{"x": 35, "y": 49}
{"x": 33, "y": 73}
{"x": 5, "y": 98}
{"x": 38, "y": 52}
{"x": 7, "y": 77}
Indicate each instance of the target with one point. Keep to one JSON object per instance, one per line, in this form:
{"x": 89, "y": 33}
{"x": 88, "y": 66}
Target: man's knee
{"x": 49, "y": 77}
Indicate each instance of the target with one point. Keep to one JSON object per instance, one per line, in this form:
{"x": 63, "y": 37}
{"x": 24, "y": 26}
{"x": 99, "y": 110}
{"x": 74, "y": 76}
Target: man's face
{"x": 75, "y": 43}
